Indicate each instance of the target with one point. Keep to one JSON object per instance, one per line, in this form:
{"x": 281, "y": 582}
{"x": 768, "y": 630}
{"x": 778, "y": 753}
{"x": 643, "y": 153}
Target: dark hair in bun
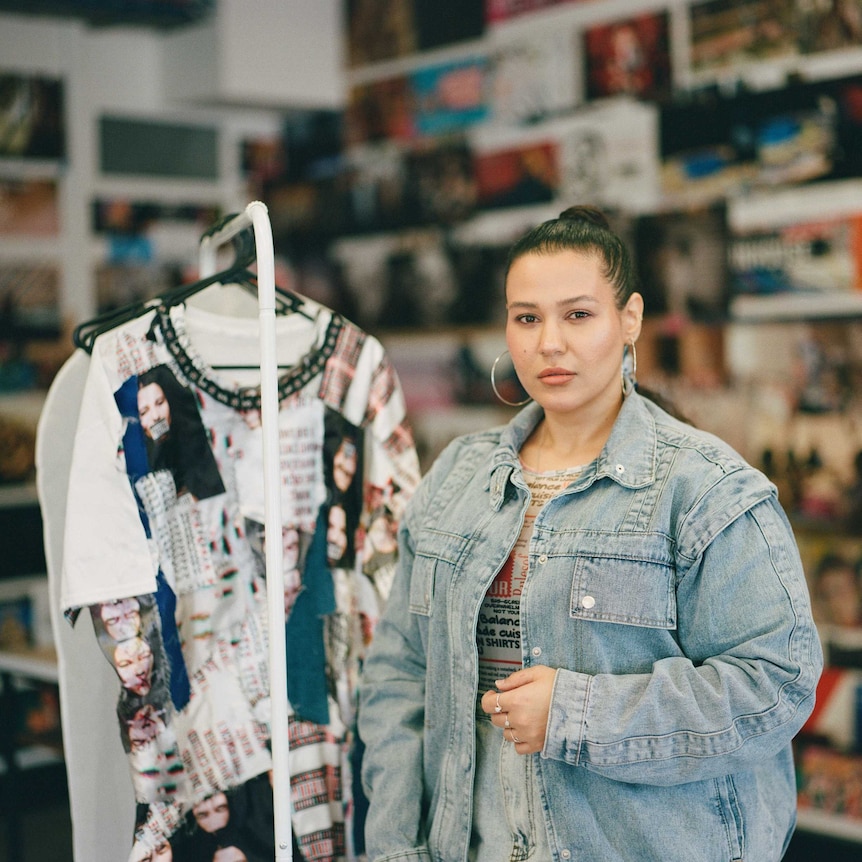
{"x": 584, "y": 229}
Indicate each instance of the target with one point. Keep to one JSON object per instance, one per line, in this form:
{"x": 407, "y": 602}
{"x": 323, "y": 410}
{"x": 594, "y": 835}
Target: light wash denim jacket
{"x": 680, "y": 681}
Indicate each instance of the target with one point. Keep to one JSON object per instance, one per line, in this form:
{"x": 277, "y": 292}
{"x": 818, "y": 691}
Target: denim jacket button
{"x": 588, "y": 602}
{"x": 543, "y": 558}
{"x": 566, "y": 853}
{"x": 537, "y": 651}
{"x": 620, "y": 469}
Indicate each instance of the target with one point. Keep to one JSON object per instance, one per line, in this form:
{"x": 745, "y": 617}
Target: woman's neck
{"x": 560, "y": 442}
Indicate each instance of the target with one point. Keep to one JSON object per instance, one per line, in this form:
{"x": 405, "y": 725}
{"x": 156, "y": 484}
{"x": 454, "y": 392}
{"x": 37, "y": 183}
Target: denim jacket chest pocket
{"x": 435, "y": 560}
{"x": 628, "y": 579}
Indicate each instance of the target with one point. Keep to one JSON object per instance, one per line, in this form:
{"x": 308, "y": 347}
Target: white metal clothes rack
{"x": 256, "y": 216}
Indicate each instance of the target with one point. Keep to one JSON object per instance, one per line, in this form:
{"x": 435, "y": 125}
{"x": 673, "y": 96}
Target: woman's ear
{"x": 633, "y": 315}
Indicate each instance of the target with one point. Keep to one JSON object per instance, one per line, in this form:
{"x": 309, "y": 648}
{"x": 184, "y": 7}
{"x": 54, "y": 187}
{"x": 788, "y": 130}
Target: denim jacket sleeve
{"x": 742, "y": 684}
{"x": 391, "y": 718}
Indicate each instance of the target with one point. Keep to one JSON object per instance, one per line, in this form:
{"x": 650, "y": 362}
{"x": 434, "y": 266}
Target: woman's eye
{"x": 527, "y": 318}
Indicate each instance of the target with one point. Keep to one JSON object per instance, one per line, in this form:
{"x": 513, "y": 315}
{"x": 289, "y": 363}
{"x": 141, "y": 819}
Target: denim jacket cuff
{"x": 567, "y": 717}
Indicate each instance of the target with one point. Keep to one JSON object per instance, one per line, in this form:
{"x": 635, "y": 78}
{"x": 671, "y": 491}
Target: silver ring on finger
{"x": 506, "y": 723}
{"x": 514, "y": 738}
{"x": 497, "y": 707}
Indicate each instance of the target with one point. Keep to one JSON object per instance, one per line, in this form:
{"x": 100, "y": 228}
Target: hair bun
{"x": 586, "y": 213}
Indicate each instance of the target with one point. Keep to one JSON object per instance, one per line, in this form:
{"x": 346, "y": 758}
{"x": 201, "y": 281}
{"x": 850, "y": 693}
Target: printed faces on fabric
{"x": 167, "y": 550}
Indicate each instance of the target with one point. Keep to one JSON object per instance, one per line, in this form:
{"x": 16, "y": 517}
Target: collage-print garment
{"x": 165, "y": 546}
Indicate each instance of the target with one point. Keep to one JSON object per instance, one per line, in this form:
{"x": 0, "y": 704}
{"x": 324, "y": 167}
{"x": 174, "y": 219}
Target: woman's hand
{"x": 520, "y": 707}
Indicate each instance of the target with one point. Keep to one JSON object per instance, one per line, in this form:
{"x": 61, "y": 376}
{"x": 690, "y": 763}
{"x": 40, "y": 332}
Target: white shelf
{"x": 835, "y": 825}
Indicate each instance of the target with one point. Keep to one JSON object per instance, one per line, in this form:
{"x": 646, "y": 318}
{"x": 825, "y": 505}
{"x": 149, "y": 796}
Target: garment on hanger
{"x": 101, "y": 801}
{"x": 164, "y": 545}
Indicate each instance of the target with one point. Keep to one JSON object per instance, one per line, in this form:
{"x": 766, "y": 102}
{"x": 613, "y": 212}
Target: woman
{"x": 174, "y": 434}
{"x": 636, "y": 582}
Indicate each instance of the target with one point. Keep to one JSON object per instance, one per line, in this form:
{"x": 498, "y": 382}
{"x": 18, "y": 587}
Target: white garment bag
{"x": 101, "y": 798}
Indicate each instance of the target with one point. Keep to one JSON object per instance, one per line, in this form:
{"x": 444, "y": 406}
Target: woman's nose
{"x": 549, "y": 340}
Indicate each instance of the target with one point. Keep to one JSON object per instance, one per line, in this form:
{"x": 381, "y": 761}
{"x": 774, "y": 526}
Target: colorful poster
{"x": 629, "y": 57}
{"x": 515, "y": 176}
{"x": 451, "y": 97}
{"x": 806, "y": 268}
{"x": 381, "y": 110}
{"x": 829, "y": 26}
{"x": 725, "y": 33}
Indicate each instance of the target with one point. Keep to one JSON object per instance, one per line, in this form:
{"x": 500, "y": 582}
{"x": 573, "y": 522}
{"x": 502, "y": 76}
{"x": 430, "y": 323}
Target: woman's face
{"x": 133, "y": 659}
{"x": 564, "y": 332}
{"x": 212, "y": 813}
{"x": 122, "y": 619}
{"x": 154, "y": 410}
{"x": 144, "y": 727}
{"x": 336, "y": 534}
{"x": 344, "y": 464}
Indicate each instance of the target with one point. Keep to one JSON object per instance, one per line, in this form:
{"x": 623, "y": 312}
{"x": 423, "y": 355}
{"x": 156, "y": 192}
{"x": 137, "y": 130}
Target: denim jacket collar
{"x": 628, "y": 457}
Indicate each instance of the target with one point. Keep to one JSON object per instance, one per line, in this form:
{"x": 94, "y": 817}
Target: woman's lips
{"x": 555, "y": 375}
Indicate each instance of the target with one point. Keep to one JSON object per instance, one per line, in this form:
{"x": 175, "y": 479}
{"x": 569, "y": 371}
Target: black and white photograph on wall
{"x": 682, "y": 263}
{"x": 32, "y": 117}
{"x": 534, "y": 77}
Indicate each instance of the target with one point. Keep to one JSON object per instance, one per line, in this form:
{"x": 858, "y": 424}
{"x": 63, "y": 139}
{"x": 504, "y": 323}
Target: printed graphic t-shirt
{"x": 498, "y": 632}
{"x": 165, "y": 545}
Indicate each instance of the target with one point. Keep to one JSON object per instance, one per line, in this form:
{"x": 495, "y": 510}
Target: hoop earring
{"x": 629, "y": 375}
{"x": 497, "y": 391}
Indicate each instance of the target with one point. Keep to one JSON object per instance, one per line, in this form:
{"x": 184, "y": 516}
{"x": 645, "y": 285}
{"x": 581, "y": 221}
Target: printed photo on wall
{"x": 730, "y": 32}
{"x": 32, "y": 123}
{"x": 682, "y": 263}
{"x": 451, "y": 97}
{"x": 381, "y": 110}
{"x": 379, "y": 30}
{"x": 630, "y": 57}
{"x": 534, "y": 76}
{"x": 29, "y": 208}
{"x": 515, "y": 176}
{"x": 829, "y": 25}
{"x": 29, "y": 302}
{"x": 809, "y": 267}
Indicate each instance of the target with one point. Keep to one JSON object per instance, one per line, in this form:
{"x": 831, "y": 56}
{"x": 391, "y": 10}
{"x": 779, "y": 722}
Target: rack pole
{"x": 256, "y": 215}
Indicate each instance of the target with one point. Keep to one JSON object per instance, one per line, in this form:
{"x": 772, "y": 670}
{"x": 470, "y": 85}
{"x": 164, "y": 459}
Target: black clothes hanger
{"x": 287, "y": 302}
